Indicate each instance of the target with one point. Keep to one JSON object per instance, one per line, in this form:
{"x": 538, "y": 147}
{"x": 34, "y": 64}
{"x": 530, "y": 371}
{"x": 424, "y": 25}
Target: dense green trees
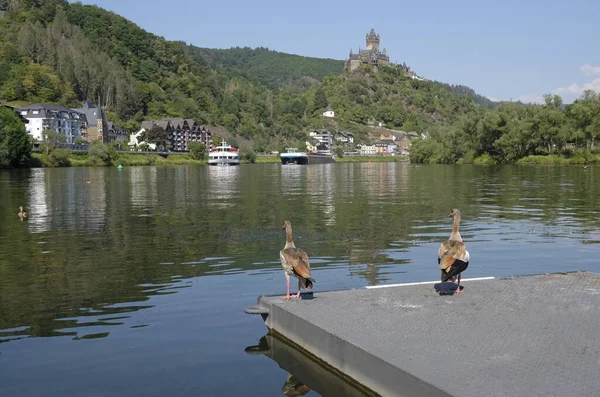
{"x": 60, "y": 52}
{"x": 15, "y": 146}
{"x": 515, "y": 131}
{"x": 270, "y": 68}
{"x": 197, "y": 150}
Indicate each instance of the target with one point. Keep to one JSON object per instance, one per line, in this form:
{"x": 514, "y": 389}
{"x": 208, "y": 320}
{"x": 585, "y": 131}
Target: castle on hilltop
{"x": 369, "y": 56}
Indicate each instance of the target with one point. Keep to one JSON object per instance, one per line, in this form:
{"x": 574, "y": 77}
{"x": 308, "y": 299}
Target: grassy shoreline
{"x": 144, "y": 159}
{"x": 347, "y": 159}
{"x": 125, "y": 159}
{"x": 560, "y": 159}
{"x": 372, "y": 159}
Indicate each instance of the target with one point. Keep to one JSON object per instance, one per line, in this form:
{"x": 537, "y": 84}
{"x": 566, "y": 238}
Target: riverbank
{"x": 346, "y": 159}
{"x": 125, "y": 159}
{"x": 568, "y": 157}
{"x": 144, "y": 159}
{"x": 372, "y": 159}
{"x": 561, "y": 159}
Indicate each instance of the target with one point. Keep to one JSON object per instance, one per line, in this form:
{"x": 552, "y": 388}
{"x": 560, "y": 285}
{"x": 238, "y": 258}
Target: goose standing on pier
{"x": 295, "y": 263}
{"x": 453, "y": 256}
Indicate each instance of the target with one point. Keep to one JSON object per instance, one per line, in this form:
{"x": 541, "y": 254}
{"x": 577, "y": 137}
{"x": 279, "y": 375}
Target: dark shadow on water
{"x": 93, "y": 336}
{"x": 304, "y": 374}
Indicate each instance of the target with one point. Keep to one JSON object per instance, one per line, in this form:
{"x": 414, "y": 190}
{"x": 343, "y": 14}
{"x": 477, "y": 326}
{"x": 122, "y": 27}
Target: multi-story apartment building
{"x": 180, "y": 132}
{"x": 62, "y": 120}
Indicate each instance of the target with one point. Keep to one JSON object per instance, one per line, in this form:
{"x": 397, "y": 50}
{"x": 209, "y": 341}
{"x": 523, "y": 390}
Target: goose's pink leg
{"x": 458, "y": 289}
{"x": 287, "y": 296}
{"x": 298, "y": 294}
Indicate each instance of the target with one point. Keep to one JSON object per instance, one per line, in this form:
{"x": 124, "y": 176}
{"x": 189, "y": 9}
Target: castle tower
{"x": 373, "y": 41}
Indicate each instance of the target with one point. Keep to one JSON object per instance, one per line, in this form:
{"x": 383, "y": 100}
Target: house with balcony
{"x": 386, "y": 148}
{"x": 116, "y": 133}
{"x": 366, "y": 149}
{"x": 185, "y": 131}
{"x": 180, "y": 132}
{"x": 323, "y": 136}
{"x": 344, "y": 137}
{"x": 64, "y": 121}
{"x": 402, "y": 139}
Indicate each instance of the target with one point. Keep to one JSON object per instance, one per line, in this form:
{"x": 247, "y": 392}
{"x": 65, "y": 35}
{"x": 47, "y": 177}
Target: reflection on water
{"x": 146, "y": 254}
{"x": 320, "y": 188}
{"x": 77, "y": 202}
{"x": 144, "y": 186}
{"x": 303, "y": 374}
{"x": 223, "y": 186}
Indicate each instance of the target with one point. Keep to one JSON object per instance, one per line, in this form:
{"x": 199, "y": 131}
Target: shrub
{"x": 56, "y": 158}
{"x": 197, "y": 150}
{"x": 99, "y": 153}
{"x": 247, "y": 155}
{"x": 484, "y": 159}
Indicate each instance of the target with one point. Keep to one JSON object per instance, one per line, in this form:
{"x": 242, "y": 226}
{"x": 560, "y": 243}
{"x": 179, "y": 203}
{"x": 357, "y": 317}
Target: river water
{"x": 133, "y": 282}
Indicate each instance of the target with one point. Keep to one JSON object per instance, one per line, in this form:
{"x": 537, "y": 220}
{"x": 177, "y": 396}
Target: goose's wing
{"x": 450, "y": 251}
{"x": 298, "y": 259}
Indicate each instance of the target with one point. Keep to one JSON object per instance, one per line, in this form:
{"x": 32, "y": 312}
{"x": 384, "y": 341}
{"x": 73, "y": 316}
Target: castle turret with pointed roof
{"x": 370, "y": 55}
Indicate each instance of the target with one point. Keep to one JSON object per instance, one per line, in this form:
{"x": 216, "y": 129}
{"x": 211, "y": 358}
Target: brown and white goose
{"x": 295, "y": 263}
{"x": 22, "y": 214}
{"x": 453, "y": 256}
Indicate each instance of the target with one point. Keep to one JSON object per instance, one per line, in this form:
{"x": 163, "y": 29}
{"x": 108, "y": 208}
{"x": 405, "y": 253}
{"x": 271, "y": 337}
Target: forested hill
{"x": 271, "y": 68}
{"x": 58, "y": 52}
{"x": 464, "y": 90}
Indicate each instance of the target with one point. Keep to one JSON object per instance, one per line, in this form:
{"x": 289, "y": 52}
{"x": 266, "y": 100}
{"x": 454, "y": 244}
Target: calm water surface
{"x": 134, "y": 284}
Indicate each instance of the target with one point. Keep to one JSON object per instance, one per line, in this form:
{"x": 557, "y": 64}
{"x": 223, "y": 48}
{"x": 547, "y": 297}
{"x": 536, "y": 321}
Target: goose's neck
{"x": 455, "y": 234}
{"x": 289, "y": 241}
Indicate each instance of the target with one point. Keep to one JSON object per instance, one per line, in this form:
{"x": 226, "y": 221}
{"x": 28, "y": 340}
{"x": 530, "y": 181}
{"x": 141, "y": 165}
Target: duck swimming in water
{"x": 22, "y": 214}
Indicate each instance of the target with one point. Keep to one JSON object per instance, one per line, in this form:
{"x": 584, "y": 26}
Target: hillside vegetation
{"x": 271, "y": 68}
{"x": 515, "y": 132}
{"x": 58, "y": 52}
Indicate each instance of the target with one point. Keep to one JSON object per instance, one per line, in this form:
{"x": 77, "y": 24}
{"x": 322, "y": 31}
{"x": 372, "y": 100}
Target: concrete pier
{"x": 520, "y": 336}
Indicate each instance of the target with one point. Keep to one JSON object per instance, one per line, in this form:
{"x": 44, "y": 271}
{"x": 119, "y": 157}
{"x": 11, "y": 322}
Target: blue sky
{"x": 502, "y": 49}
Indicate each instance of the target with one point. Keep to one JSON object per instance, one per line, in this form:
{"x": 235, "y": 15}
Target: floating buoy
{"x": 120, "y": 166}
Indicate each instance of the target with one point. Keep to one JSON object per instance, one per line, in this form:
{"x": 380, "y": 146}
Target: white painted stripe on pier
{"x": 426, "y": 282}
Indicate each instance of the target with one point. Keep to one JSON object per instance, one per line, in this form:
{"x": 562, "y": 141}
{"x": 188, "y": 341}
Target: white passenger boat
{"x": 224, "y": 154}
